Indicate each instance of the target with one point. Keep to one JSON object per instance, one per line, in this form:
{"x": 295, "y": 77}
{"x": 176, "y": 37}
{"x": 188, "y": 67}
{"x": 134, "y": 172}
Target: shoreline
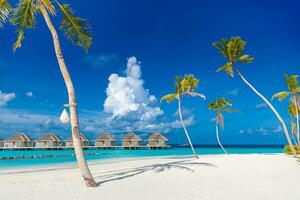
{"x": 212, "y": 177}
{"x": 73, "y": 164}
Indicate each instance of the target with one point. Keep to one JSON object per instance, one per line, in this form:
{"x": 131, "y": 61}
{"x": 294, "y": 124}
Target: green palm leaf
{"x": 169, "y": 97}
{"x": 49, "y": 6}
{"x": 280, "y": 95}
{"x": 77, "y": 29}
{"x": 227, "y": 68}
{"x": 23, "y": 17}
{"x": 297, "y": 90}
{"x": 245, "y": 59}
{"x": 5, "y": 9}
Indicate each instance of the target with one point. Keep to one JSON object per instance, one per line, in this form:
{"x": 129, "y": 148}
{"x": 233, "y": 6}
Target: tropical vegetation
{"x": 77, "y": 30}
{"x": 220, "y": 105}
{"x": 293, "y": 92}
{"x": 233, "y": 51}
{"x": 184, "y": 86}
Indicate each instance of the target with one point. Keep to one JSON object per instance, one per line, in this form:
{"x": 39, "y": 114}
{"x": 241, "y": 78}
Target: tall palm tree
{"x": 185, "y": 86}
{"x": 233, "y": 50}
{"x": 77, "y": 30}
{"x": 220, "y": 105}
{"x": 293, "y": 91}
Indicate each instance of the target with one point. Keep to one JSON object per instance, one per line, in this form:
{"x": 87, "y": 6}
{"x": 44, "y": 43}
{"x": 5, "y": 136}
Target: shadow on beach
{"x": 157, "y": 168}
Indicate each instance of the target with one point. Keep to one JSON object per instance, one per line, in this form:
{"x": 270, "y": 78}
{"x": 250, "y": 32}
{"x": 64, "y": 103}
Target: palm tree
{"x": 293, "y": 91}
{"x": 185, "y": 86}
{"x": 77, "y": 30}
{"x": 220, "y": 105}
{"x": 292, "y": 113}
{"x": 232, "y": 50}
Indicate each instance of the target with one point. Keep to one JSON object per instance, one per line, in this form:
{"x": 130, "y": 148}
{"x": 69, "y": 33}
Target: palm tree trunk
{"x": 297, "y": 118}
{"x": 273, "y": 109}
{"x": 218, "y": 139}
{"x": 87, "y": 176}
{"x": 184, "y": 128}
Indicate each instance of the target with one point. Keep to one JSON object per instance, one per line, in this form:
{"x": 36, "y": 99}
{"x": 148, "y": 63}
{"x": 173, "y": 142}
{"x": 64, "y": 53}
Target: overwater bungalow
{"x": 105, "y": 140}
{"x": 84, "y": 141}
{"x": 131, "y": 140}
{"x": 157, "y": 140}
{"x": 49, "y": 140}
{"x": 1, "y": 142}
{"x": 18, "y": 140}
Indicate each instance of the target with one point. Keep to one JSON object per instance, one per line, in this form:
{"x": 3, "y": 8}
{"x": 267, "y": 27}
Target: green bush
{"x": 287, "y": 149}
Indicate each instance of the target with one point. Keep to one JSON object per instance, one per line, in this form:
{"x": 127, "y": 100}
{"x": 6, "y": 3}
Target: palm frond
{"x": 23, "y": 18}
{"x": 169, "y": 98}
{"x": 221, "y": 47}
{"x": 280, "y": 95}
{"x": 212, "y": 106}
{"x": 229, "y": 110}
{"x": 291, "y": 82}
{"x": 49, "y": 6}
{"x": 297, "y": 90}
{"x": 77, "y": 30}
{"x": 227, "y": 68}
{"x": 5, "y": 9}
{"x": 245, "y": 59}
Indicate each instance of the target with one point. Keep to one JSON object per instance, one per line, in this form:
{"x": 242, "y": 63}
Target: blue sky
{"x": 159, "y": 39}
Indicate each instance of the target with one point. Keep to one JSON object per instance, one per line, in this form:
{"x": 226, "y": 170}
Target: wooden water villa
{"x": 105, "y": 140}
{"x": 1, "y": 142}
{"x": 157, "y": 140}
{"x": 18, "y": 140}
{"x": 83, "y": 138}
{"x": 49, "y": 140}
{"x": 131, "y": 140}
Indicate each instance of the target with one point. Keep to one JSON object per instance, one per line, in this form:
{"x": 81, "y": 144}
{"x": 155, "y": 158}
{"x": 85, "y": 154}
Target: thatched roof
{"x": 157, "y": 136}
{"x": 131, "y": 137}
{"x": 82, "y": 137}
{"x": 105, "y": 137}
{"x": 49, "y": 137}
{"x": 20, "y": 136}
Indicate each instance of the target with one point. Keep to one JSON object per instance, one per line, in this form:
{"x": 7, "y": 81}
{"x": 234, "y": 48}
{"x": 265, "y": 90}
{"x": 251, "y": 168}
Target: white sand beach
{"x": 212, "y": 177}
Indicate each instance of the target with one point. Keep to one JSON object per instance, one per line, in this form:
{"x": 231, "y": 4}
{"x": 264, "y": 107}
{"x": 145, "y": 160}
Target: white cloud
{"x": 278, "y": 129}
{"x": 261, "y": 105}
{"x": 5, "y": 98}
{"x": 234, "y": 92}
{"x": 127, "y": 95}
{"x": 29, "y": 94}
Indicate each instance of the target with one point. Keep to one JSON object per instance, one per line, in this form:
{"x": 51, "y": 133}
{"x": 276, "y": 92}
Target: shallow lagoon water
{"x": 102, "y": 154}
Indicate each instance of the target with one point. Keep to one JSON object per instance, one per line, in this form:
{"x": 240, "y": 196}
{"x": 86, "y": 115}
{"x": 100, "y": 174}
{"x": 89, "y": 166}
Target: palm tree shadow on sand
{"x": 158, "y": 168}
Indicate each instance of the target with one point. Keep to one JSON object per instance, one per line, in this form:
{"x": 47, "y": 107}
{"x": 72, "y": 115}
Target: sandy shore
{"x": 212, "y": 177}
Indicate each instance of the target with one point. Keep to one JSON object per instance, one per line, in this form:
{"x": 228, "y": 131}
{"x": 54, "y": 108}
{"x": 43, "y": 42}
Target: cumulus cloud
{"x": 261, "y": 105}
{"x": 126, "y": 95}
{"x": 102, "y": 60}
{"x": 5, "y": 98}
{"x": 234, "y": 92}
{"x": 29, "y": 94}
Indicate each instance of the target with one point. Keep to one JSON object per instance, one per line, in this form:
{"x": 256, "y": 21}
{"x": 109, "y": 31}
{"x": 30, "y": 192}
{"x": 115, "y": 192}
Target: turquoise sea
{"x": 67, "y": 156}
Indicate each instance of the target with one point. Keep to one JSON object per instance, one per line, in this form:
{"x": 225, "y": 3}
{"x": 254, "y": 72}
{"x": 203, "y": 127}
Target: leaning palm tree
{"x": 220, "y": 105}
{"x": 5, "y": 9}
{"x": 185, "y": 86}
{"x": 293, "y": 91}
{"x": 233, "y": 50}
{"x": 77, "y": 30}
